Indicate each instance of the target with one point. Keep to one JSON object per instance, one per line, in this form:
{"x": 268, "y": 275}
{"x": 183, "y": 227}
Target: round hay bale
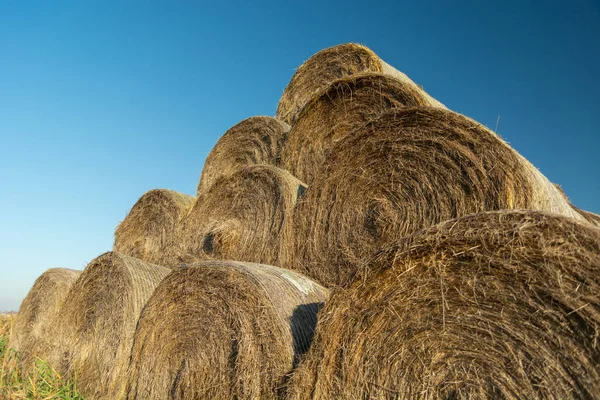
{"x": 223, "y": 330}
{"x": 148, "y": 231}
{"x": 98, "y": 320}
{"x": 328, "y": 65}
{"x": 240, "y": 216}
{"x": 409, "y": 169}
{"x": 256, "y": 140}
{"x": 499, "y": 305}
{"x": 590, "y": 217}
{"x": 345, "y": 105}
{"x": 32, "y": 334}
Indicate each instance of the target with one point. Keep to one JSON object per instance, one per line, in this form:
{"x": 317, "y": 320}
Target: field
{"x": 42, "y": 382}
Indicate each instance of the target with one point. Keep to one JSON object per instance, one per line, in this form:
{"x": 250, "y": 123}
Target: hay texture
{"x": 332, "y": 115}
{"x": 256, "y": 140}
{"x": 328, "y": 65}
{"x": 223, "y": 330}
{"x": 590, "y": 217}
{"x": 240, "y": 217}
{"x": 98, "y": 321}
{"x": 500, "y": 305}
{"x": 409, "y": 169}
{"x": 33, "y": 333}
{"x": 149, "y": 230}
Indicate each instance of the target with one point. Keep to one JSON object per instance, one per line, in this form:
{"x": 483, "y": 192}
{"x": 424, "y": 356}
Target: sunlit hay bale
{"x": 345, "y": 105}
{"x": 240, "y": 216}
{"x": 324, "y": 67}
{"x": 409, "y": 169}
{"x": 223, "y": 330}
{"x": 589, "y": 216}
{"x": 33, "y": 331}
{"x": 499, "y": 305}
{"x": 256, "y": 140}
{"x": 98, "y": 319}
{"x": 148, "y": 231}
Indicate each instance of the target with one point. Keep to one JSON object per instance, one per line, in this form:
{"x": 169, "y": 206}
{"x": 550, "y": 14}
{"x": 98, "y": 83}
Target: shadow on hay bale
{"x": 33, "y": 331}
{"x": 329, "y": 65}
{"x": 149, "y": 230}
{"x": 256, "y": 140}
{"x": 240, "y": 216}
{"x": 499, "y": 305}
{"x": 345, "y": 105}
{"x": 98, "y": 319}
{"x": 222, "y": 330}
{"x": 409, "y": 169}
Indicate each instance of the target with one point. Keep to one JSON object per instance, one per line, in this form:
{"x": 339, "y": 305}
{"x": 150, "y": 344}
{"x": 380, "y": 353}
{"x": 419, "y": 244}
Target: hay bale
{"x": 590, "y": 217}
{"x": 222, "y": 330}
{"x": 407, "y": 170}
{"x": 256, "y": 140}
{"x": 32, "y": 334}
{"x": 345, "y": 105}
{"x": 98, "y": 320}
{"x": 500, "y": 305}
{"x": 240, "y": 216}
{"x": 148, "y": 231}
{"x": 328, "y": 65}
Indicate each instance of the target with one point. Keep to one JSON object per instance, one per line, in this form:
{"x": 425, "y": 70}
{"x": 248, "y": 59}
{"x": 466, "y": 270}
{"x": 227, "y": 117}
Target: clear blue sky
{"x": 101, "y": 101}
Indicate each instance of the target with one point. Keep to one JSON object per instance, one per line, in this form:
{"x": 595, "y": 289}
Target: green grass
{"x": 41, "y": 382}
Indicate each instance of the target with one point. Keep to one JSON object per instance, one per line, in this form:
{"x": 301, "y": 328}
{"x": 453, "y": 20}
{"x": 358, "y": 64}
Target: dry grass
{"x": 409, "y": 169}
{"x": 256, "y": 140}
{"x": 328, "y": 65}
{"x": 40, "y": 382}
{"x": 240, "y": 217}
{"x": 149, "y": 231}
{"x": 499, "y": 305}
{"x": 223, "y": 330}
{"x": 98, "y": 319}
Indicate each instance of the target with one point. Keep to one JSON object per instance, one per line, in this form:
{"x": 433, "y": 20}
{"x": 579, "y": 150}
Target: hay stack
{"x": 98, "y": 321}
{"x": 407, "y": 170}
{"x": 345, "y": 105}
{"x": 256, "y": 140}
{"x": 500, "y": 305}
{"x": 331, "y": 64}
{"x": 222, "y": 330}
{"x": 33, "y": 334}
{"x": 148, "y": 231}
{"x": 240, "y": 216}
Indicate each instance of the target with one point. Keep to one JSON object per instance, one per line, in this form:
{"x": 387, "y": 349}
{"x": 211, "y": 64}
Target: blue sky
{"x": 101, "y": 101}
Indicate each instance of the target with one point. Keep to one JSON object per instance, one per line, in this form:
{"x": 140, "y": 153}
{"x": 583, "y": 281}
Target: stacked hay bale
{"x": 98, "y": 319}
{"x": 256, "y": 140}
{"x": 150, "y": 229}
{"x": 343, "y": 106}
{"x": 33, "y": 334}
{"x": 329, "y": 65}
{"x": 495, "y": 305}
{"x": 222, "y": 330}
{"x": 409, "y": 169}
{"x": 240, "y": 216}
